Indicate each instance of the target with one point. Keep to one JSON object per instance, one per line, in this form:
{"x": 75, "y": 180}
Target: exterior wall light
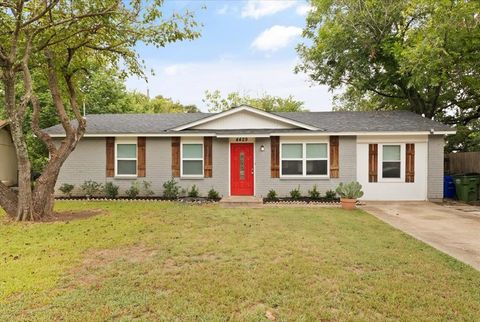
{"x": 262, "y": 148}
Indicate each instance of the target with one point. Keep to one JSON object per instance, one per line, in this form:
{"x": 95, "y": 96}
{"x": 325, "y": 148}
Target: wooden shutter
{"x": 110, "y": 150}
{"x": 275, "y": 156}
{"x": 175, "y": 157}
{"x": 207, "y": 156}
{"x": 334, "y": 157}
{"x": 410, "y": 162}
{"x": 372, "y": 162}
{"x": 141, "y": 156}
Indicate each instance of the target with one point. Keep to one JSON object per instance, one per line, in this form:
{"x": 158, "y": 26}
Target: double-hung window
{"x": 304, "y": 159}
{"x": 126, "y": 161}
{"x": 391, "y": 161}
{"x": 192, "y": 160}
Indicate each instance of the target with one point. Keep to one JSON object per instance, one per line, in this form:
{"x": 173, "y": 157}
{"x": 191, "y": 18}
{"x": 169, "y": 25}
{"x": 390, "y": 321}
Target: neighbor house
{"x": 8, "y": 158}
{"x": 395, "y": 155}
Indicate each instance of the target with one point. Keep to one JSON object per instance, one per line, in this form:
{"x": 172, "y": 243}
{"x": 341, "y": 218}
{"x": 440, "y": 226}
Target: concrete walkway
{"x": 454, "y": 229}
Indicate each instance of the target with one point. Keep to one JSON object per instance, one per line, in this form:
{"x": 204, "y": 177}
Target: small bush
{"x": 171, "y": 189}
{"x": 330, "y": 195}
{"x": 314, "y": 193}
{"x": 110, "y": 190}
{"x": 213, "y": 194}
{"x": 272, "y": 195}
{"x": 193, "y": 192}
{"x": 91, "y": 188}
{"x": 67, "y": 189}
{"x": 295, "y": 193}
{"x": 133, "y": 191}
{"x": 147, "y": 189}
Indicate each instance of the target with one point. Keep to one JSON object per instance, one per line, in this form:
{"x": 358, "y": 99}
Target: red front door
{"x": 241, "y": 169}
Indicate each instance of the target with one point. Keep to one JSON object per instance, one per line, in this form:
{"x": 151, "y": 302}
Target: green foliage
{"x": 213, "y": 194}
{"x": 111, "y": 190}
{"x": 417, "y": 55}
{"x": 330, "y": 195}
{"x": 216, "y": 103}
{"x": 134, "y": 190}
{"x": 193, "y": 192}
{"x": 91, "y": 188}
{"x": 295, "y": 193}
{"x": 272, "y": 195}
{"x": 171, "y": 189}
{"x": 314, "y": 193}
{"x": 352, "y": 190}
{"x": 147, "y": 189}
{"x": 67, "y": 189}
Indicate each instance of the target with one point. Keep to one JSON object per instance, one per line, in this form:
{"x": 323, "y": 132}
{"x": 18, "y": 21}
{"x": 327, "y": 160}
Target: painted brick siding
{"x": 88, "y": 162}
{"x": 435, "y": 167}
{"x": 264, "y": 182}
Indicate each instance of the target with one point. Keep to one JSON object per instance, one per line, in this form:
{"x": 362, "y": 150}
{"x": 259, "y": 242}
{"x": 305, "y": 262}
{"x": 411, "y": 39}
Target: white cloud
{"x": 276, "y": 37}
{"x": 174, "y": 69}
{"x": 251, "y": 77}
{"x": 223, "y": 10}
{"x": 260, "y": 8}
{"x": 303, "y": 9}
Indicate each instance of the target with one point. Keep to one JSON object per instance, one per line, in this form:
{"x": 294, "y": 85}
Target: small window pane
{"x": 191, "y": 167}
{"x": 292, "y": 151}
{"x": 317, "y": 167}
{"x": 127, "y": 167}
{"x": 292, "y": 168}
{"x": 316, "y": 151}
{"x": 391, "y": 170}
{"x": 127, "y": 151}
{"x": 192, "y": 151}
{"x": 391, "y": 153}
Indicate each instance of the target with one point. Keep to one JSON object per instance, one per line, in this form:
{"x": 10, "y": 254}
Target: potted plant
{"x": 349, "y": 193}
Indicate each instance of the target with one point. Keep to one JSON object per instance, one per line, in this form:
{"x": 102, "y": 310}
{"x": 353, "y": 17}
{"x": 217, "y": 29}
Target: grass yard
{"x": 165, "y": 261}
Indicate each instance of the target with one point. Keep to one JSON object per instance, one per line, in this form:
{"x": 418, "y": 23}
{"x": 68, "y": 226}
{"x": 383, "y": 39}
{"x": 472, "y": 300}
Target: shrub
{"x": 111, "y": 190}
{"x": 66, "y": 189}
{"x": 352, "y": 190}
{"x": 171, "y": 189}
{"x": 91, "y": 188}
{"x": 147, "y": 189}
{"x": 193, "y": 192}
{"x": 133, "y": 191}
{"x": 314, "y": 193}
{"x": 295, "y": 193}
{"x": 272, "y": 195}
{"x": 213, "y": 194}
{"x": 330, "y": 195}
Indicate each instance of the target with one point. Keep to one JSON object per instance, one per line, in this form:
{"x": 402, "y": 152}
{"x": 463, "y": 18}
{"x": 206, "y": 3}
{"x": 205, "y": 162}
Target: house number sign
{"x": 241, "y": 139}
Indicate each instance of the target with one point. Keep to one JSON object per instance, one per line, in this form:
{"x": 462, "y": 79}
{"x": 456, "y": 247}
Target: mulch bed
{"x": 303, "y": 200}
{"x": 196, "y": 200}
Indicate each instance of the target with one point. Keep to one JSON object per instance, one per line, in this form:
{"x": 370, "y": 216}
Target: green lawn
{"x": 164, "y": 261}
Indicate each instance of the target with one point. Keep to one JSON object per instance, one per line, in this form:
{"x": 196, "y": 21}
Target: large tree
{"x": 217, "y": 103}
{"x": 420, "y": 55}
{"x": 62, "y": 40}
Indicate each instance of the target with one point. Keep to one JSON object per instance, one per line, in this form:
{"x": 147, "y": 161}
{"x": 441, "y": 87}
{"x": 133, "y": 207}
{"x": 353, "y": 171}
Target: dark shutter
{"x": 207, "y": 156}
{"x": 334, "y": 157}
{"x": 372, "y": 162}
{"x": 275, "y": 156}
{"x": 141, "y": 151}
{"x": 110, "y": 149}
{"x": 175, "y": 157}
{"x": 410, "y": 162}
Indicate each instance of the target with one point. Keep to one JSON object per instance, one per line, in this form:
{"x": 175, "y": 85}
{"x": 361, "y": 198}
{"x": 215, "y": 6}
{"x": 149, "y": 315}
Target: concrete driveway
{"x": 454, "y": 229}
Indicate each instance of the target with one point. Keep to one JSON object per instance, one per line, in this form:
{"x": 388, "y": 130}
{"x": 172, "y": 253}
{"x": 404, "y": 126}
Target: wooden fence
{"x": 462, "y": 163}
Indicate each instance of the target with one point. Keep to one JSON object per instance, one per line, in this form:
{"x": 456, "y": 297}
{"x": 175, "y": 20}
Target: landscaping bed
{"x": 302, "y": 200}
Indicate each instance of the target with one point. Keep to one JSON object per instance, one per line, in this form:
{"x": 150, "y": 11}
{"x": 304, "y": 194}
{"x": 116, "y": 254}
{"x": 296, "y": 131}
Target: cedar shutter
{"x": 207, "y": 156}
{"x": 110, "y": 150}
{"x": 372, "y": 162}
{"x": 141, "y": 156}
{"x": 410, "y": 162}
{"x": 275, "y": 156}
{"x": 175, "y": 156}
{"x": 334, "y": 157}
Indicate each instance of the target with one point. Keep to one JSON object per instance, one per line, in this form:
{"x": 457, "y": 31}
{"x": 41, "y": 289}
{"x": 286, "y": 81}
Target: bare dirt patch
{"x": 72, "y": 215}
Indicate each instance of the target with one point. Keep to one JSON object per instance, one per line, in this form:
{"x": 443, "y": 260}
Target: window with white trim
{"x": 192, "y": 159}
{"x": 304, "y": 159}
{"x": 126, "y": 159}
{"x": 391, "y": 161}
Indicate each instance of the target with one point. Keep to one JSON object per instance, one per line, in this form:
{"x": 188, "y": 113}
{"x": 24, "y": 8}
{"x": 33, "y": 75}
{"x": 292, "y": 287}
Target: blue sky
{"x": 246, "y": 46}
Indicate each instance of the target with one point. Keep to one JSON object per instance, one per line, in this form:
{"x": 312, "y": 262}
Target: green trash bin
{"x": 467, "y": 187}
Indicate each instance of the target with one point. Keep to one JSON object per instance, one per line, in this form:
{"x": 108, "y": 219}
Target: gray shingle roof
{"x": 378, "y": 121}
